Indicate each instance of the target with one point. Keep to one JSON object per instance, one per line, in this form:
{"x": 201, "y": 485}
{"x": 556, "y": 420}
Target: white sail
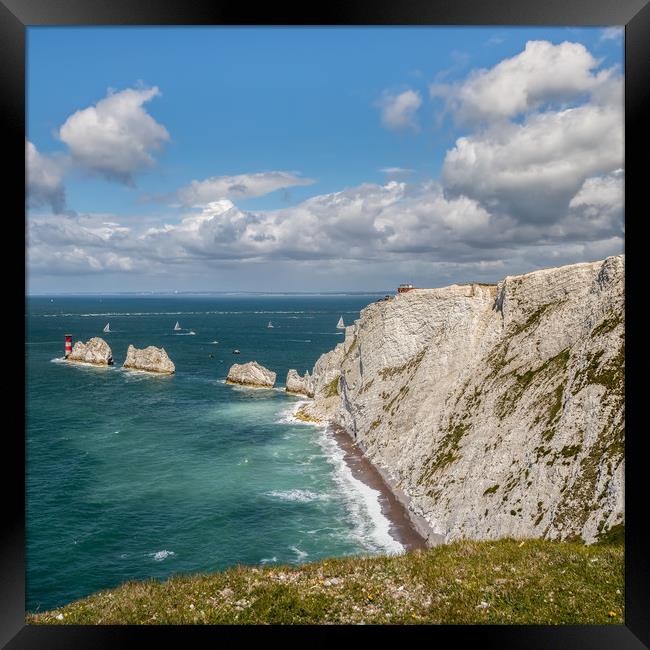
{"x": 107, "y": 328}
{"x": 340, "y": 325}
{"x": 177, "y": 326}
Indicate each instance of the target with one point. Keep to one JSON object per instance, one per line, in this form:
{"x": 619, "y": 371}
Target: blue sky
{"x": 312, "y": 112}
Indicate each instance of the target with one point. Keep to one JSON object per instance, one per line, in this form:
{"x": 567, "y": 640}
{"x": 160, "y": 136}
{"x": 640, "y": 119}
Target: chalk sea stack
{"x": 251, "y": 374}
{"x": 95, "y": 351}
{"x": 299, "y": 385}
{"x": 150, "y": 359}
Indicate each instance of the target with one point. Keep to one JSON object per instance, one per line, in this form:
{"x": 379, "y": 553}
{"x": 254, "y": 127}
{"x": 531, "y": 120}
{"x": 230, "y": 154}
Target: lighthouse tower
{"x": 68, "y": 345}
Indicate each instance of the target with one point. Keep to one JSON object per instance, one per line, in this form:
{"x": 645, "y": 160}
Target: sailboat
{"x": 340, "y": 325}
{"x": 107, "y": 329}
{"x": 270, "y": 325}
{"x": 177, "y": 327}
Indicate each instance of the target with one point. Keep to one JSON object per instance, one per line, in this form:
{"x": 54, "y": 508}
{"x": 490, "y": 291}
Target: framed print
{"x": 325, "y": 322}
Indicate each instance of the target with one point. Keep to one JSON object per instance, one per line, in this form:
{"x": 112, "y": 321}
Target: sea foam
{"x": 371, "y": 526}
{"x": 159, "y": 556}
{"x": 302, "y": 496}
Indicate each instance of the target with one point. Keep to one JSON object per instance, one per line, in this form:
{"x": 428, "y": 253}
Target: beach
{"x": 406, "y": 527}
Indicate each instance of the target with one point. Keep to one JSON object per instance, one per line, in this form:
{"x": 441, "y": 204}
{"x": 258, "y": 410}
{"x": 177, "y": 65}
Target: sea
{"x": 132, "y": 476}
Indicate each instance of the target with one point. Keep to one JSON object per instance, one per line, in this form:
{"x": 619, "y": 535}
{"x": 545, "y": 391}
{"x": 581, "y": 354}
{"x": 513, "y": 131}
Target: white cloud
{"x": 598, "y": 205}
{"x": 396, "y": 171}
{"x": 63, "y": 244}
{"x": 115, "y": 137}
{"x": 44, "y": 179}
{"x": 398, "y": 112}
{"x": 601, "y": 192}
{"x": 533, "y": 169}
{"x": 612, "y": 34}
{"x": 542, "y": 73}
{"x": 380, "y": 223}
{"x": 242, "y": 186}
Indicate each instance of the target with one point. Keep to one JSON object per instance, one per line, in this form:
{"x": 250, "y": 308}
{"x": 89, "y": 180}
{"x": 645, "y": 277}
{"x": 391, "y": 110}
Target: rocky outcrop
{"x": 251, "y": 374}
{"x": 299, "y": 385}
{"x": 150, "y": 359}
{"x": 497, "y": 409}
{"x": 95, "y": 351}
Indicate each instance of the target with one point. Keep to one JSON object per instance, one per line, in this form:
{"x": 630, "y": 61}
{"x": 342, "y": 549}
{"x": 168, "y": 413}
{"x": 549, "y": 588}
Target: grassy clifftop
{"x": 505, "y": 581}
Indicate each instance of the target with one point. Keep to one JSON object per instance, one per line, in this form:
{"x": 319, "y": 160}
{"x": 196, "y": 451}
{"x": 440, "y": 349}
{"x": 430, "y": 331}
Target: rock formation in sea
{"x": 299, "y": 385}
{"x": 95, "y": 351}
{"x": 251, "y": 374}
{"x": 497, "y": 409}
{"x": 150, "y": 359}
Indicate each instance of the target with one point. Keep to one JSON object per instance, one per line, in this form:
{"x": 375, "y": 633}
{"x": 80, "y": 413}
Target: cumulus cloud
{"x": 395, "y": 223}
{"x": 532, "y": 169}
{"x": 398, "y": 111}
{"x": 242, "y": 186}
{"x": 543, "y": 73}
{"x": 116, "y": 137}
{"x": 44, "y": 179}
{"x": 69, "y": 244}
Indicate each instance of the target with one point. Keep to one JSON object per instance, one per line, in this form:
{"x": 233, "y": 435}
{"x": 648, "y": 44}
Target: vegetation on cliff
{"x": 505, "y": 581}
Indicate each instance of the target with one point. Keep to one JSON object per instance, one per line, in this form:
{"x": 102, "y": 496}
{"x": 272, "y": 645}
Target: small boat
{"x": 340, "y": 325}
{"x": 191, "y": 333}
{"x": 236, "y": 352}
{"x": 107, "y": 329}
{"x": 270, "y": 325}
{"x": 177, "y": 327}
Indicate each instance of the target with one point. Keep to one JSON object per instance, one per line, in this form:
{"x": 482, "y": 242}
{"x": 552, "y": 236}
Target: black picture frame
{"x": 16, "y": 15}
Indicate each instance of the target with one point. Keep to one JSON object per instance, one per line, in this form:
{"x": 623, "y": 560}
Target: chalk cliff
{"x": 251, "y": 374}
{"x": 497, "y": 409}
{"x": 95, "y": 351}
{"x": 150, "y": 359}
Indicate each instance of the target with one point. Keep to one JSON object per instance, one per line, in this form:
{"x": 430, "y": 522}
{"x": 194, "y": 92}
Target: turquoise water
{"x": 132, "y": 476}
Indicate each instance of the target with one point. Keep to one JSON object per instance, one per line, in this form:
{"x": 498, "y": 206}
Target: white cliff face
{"x": 299, "y": 385}
{"x": 251, "y": 374}
{"x": 95, "y": 351}
{"x": 150, "y": 359}
{"x": 499, "y": 410}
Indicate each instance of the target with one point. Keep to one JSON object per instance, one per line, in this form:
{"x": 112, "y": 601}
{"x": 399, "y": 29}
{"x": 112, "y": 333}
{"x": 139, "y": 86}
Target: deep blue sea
{"x": 131, "y": 476}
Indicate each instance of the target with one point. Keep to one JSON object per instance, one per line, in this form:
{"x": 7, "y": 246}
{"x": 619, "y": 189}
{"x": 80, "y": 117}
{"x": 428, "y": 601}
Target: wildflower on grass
{"x": 611, "y": 614}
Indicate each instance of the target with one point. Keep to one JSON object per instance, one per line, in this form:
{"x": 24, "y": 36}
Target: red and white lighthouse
{"x": 68, "y": 345}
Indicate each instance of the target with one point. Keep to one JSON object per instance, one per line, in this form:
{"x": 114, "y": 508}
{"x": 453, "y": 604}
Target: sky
{"x": 318, "y": 159}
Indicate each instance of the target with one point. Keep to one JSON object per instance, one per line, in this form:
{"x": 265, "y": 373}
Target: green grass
{"x": 505, "y": 581}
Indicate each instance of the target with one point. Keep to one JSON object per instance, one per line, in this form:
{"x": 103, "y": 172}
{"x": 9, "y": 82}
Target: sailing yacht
{"x": 107, "y": 329}
{"x": 177, "y": 327}
{"x": 340, "y": 325}
{"x": 270, "y": 325}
